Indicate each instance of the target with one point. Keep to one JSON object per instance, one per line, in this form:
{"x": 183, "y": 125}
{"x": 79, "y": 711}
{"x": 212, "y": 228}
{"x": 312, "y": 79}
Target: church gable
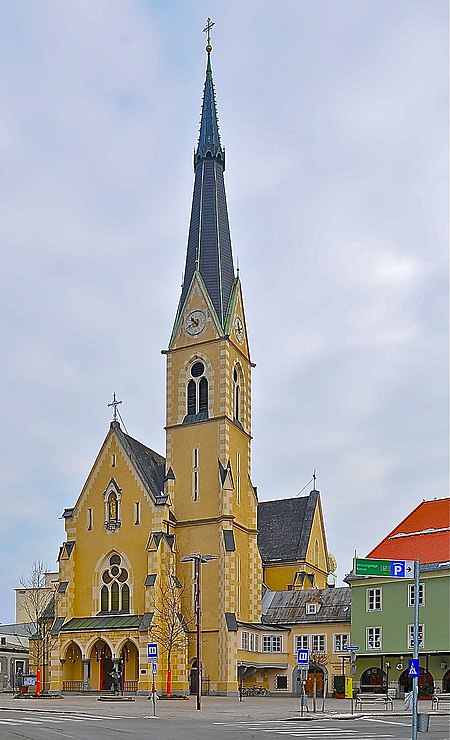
{"x": 235, "y": 325}
{"x": 120, "y": 457}
{"x": 197, "y": 318}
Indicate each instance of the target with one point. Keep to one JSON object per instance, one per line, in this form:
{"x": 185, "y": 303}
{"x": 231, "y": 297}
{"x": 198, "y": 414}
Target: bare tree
{"x": 172, "y": 616}
{"x": 318, "y": 659}
{"x": 38, "y": 603}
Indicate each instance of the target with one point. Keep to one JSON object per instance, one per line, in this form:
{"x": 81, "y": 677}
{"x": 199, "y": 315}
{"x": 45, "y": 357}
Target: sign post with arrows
{"x": 384, "y": 568}
{"x": 399, "y": 569}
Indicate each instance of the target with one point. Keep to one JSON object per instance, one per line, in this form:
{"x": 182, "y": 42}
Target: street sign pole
{"x": 416, "y": 649}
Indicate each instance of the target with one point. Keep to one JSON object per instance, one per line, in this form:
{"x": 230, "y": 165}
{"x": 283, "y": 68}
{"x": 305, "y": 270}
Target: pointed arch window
{"x": 236, "y": 394}
{"x": 115, "y": 590}
{"x": 197, "y": 394}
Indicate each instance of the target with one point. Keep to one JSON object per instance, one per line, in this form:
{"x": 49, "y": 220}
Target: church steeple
{"x": 209, "y": 252}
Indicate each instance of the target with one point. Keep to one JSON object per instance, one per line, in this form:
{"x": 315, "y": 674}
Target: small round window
{"x": 197, "y": 369}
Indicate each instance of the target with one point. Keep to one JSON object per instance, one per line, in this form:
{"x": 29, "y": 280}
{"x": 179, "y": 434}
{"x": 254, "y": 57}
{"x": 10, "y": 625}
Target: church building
{"x": 126, "y": 560}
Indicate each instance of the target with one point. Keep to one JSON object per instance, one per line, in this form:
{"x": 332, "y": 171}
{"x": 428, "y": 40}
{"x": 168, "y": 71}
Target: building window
{"x": 238, "y": 477}
{"x": 411, "y": 636}
{"x": 281, "y": 683}
{"x": 340, "y": 643}
{"x": 137, "y": 512}
{"x": 373, "y": 638}
{"x": 197, "y": 391}
{"x": 195, "y": 473}
{"x": 411, "y": 594}
{"x": 318, "y": 643}
{"x": 276, "y": 644}
{"x": 311, "y": 608}
{"x": 272, "y": 644}
{"x": 236, "y": 395}
{"x": 253, "y": 642}
{"x": 113, "y": 460}
{"x": 245, "y": 641}
{"x": 90, "y": 519}
{"x": 238, "y": 585}
{"x": 115, "y": 591}
{"x": 301, "y": 642}
{"x": 374, "y": 602}
{"x": 316, "y": 553}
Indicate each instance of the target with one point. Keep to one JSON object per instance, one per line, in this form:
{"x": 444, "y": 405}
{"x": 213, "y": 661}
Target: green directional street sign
{"x": 390, "y": 568}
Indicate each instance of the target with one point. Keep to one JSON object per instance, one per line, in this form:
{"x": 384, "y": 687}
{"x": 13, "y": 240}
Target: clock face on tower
{"x": 195, "y": 322}
{"x": 239, "y": 329}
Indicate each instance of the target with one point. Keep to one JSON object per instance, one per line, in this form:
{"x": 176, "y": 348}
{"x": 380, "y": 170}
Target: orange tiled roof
{"x": 423, "y": 534}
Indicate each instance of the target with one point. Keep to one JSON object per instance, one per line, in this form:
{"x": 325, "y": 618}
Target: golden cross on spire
{"x": 207, "y": 30}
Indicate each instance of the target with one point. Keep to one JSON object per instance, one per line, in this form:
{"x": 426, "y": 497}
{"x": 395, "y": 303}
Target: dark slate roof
{"x": 284, "y": 527}
{"x": 209, "y": 243}
{"x": 289, "y": 607}
{"x": 148, "y": 463}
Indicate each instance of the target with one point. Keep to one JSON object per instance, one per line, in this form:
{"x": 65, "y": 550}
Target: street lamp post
{"x": 198, "y": 559}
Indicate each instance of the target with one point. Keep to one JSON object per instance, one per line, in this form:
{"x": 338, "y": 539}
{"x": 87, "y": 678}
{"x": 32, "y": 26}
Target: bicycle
{"x": 254, "y": 691}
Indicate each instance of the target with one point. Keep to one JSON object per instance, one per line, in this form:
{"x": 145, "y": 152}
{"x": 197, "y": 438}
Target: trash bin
{"x": 423, "y": 722}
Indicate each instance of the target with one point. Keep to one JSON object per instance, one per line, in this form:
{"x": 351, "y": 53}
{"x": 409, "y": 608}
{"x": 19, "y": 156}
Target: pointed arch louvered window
{"x": 197, "y": 396}
{"x": 192, "y": 397}
{"x": 203, "y": 396}
{"x": 236, "y": 394}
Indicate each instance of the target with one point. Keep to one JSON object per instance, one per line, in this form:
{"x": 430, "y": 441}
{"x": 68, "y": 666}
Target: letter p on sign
{"x": 398, "y": 568}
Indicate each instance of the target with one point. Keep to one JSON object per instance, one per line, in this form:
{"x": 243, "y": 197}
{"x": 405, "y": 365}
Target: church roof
{"x": 423, "y": 534}
{"x": 148, "y": 463}
{"x": 209, "y": 250}
{"x": 284, "y": 527}
{"x": 289, "y": 607}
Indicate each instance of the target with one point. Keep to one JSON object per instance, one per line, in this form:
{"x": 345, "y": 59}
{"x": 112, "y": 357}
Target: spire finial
{"x": 314, "y": 479}
{"x": 114, "y": 403}
{"x": 207, "y": 30}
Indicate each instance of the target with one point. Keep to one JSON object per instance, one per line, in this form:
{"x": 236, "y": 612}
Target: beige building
{"x": 140, "y": 514}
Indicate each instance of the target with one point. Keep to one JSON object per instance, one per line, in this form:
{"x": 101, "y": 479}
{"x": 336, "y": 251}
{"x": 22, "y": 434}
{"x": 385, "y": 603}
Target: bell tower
{"x": 208, "y": 415}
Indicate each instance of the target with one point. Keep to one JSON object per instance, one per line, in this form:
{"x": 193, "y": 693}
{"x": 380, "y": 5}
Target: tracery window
{"x": 115, "y": 591}
{"x": 197, "y": 392}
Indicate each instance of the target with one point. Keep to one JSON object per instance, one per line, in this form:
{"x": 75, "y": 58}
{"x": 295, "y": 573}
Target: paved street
{"x": 85, "y": 718}
{"x": 35, "y": 725}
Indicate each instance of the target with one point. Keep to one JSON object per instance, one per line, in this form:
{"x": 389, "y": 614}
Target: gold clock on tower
{"x": 195, "y": 322}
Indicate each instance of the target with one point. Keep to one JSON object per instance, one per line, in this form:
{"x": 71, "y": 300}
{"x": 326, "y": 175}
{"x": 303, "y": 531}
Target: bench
{"x": 437, "y": 699}
{"x": 374, "y": 700}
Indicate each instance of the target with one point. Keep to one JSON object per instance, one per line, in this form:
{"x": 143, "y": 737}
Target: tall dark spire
{"x": 209, "y": 244}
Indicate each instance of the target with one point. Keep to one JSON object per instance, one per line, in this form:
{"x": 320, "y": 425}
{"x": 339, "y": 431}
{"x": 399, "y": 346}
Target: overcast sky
{"x": 334, "y": 116}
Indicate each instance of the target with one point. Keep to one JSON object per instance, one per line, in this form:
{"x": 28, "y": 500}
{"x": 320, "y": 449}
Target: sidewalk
{"x": 213, "y": 707}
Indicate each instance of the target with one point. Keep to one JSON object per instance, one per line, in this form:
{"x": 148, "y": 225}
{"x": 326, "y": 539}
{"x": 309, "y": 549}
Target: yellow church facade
{"x": 140, "y": 515}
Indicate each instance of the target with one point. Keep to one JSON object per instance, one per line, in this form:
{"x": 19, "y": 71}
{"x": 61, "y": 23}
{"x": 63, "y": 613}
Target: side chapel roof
{"x": 284, "y": 527}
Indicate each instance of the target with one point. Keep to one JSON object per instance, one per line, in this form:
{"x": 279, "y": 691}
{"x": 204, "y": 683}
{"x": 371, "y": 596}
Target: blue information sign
{"x": 154, "y": 668}
{"x": 302, "y": 657}
{"x": 152, "y": 651}
{"x": 413, "y": 668}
